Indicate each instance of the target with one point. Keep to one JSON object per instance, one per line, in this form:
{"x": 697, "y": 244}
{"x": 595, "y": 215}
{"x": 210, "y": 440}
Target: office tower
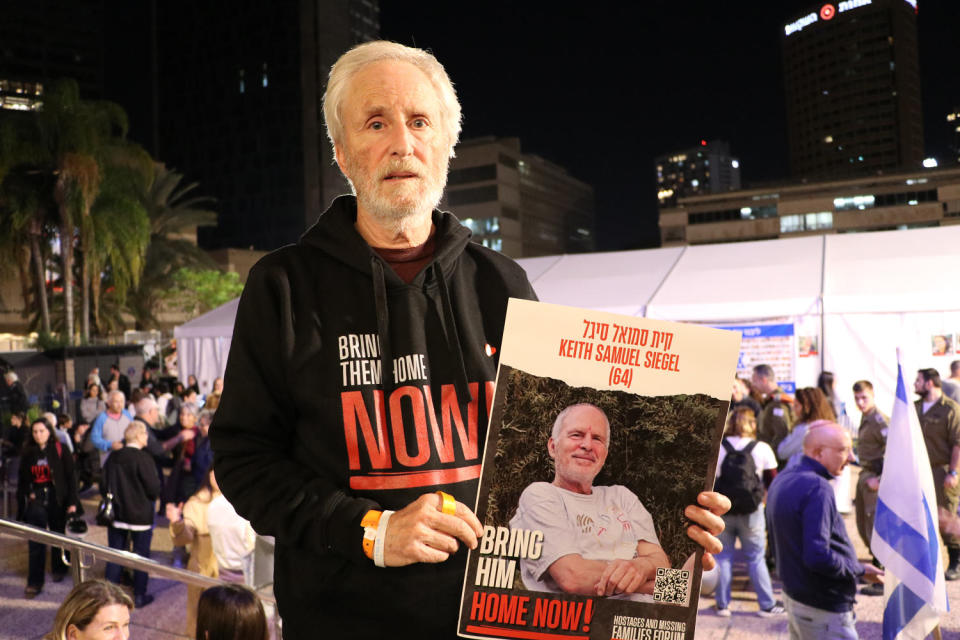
{"x": 240, "y": 92}
{"x": 44, "y": 41}
{"x": 852, "y": 84}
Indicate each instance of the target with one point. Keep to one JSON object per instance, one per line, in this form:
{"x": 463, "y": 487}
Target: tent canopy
{"x": 875, "y": 272}
{"x": 204, "y": 343}
{"x": 215, "y": 323}
{"x": 742, "y": 281}
{"x": 864, "y": 294}
{"x": 893, "y": 271}
{"x": 619, "y": 282}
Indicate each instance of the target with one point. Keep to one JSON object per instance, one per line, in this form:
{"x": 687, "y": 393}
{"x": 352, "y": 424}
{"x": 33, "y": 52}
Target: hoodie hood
{"x": 335, "y": 234}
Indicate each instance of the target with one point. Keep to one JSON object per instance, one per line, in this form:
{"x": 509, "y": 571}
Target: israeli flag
{"x": 905, "y": 537}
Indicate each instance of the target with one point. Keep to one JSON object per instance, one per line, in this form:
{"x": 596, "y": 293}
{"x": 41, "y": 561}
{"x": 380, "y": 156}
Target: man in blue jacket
{"x": 815, "y": 558}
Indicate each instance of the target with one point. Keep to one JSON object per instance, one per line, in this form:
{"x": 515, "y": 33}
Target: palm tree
{"x": 75, "y": 134}
{"x": 25, "y": 207}
{"x": 22, "y": 234}
{"x": 115, "y": 235}
{"x": 173, "y": 212}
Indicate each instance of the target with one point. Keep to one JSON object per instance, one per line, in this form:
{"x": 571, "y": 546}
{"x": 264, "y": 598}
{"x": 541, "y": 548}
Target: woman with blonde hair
{"x": 93, "y": 610}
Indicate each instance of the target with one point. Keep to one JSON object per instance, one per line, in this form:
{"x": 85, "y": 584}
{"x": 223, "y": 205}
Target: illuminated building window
{"x": 20, "y": 96}
{"x": 264, "y": 79}
{"x": 482, "y": 226}
{"x": 853, "y": 202}
{"x": 790, "y": 224}
{"x": 243, "y": 83}
{"x": 806, "y": 222}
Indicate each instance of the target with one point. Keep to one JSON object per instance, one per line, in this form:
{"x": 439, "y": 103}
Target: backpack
{"x": 738, "y": 479}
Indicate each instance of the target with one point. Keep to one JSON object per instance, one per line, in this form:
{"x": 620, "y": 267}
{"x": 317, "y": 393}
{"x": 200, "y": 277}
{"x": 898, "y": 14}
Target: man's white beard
{"x": 403, "y": 210}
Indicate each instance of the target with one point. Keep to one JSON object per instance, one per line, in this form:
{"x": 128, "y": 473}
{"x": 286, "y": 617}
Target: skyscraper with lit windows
{"x": 852, "y": 82}
{"x": 706, "y": 168}
{"x": 519, "y": 203}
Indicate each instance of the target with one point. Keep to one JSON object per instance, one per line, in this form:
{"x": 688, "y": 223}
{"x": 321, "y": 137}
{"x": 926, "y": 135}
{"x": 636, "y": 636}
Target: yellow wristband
{"x": 369, "y": 523}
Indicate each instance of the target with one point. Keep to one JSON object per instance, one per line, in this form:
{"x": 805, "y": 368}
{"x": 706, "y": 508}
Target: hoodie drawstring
{"x": 461, "y": 383}
{"x": 383, "y": 324}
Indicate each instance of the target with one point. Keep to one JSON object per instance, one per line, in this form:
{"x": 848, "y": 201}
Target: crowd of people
{"x": 147, "y": 452}
{"x": 418, "y": 286}
{"x": 785, "y": 464}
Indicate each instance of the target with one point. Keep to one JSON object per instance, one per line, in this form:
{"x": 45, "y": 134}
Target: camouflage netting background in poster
{"x": 659, "y": 448}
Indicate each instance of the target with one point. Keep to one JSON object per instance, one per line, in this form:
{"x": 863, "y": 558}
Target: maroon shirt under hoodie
{"x": 407, "y": 263}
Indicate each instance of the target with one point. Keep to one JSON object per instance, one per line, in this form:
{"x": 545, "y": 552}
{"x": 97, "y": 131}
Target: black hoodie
{"x": 307, "y": 438}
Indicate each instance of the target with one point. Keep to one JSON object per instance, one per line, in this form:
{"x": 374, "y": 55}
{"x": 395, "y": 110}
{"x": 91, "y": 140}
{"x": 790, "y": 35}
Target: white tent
{"x": 891, "y": 289}
{"x": 854, "y": 297}
{"x": 203, "y": 344}
{"x": 619, "y": 281}
{"x": 857, "y": 297}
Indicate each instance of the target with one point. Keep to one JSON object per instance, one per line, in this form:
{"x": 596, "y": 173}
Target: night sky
{"x": 601, "y": 88}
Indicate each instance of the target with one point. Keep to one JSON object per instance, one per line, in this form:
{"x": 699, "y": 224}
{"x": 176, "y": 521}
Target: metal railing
{"x": 78, "y": 566}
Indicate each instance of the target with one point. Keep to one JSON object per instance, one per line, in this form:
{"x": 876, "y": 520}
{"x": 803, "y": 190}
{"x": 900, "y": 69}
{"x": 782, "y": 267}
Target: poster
{"x": 807, "y": 347}
{"x": 941, "y": 344}
{"x": 770, "y": 344}
{"x": 593, "y": 501}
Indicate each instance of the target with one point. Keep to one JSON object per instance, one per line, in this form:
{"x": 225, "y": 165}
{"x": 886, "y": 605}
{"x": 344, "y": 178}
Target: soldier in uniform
{"x": 871, "y": 443}
{"x": 776, "y": 416}
{"x": 940, "y": 423}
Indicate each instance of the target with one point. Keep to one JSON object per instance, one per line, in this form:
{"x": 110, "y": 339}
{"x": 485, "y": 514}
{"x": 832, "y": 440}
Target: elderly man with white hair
{"x": 106, "y": 433}
{"x": 15, "y": 393}
{"x": 131, "y": 477}
{"x": 162, "y": 441}
{"x": 361, "y": 372}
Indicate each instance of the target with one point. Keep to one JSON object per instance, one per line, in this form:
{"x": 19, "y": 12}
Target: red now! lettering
{"x": 419, "y": 423}
{"x": 557, "y": 613}
{"x": 377, "y": 446}
{"x": 368, "y": 437}
{"x": 450, "y": 413}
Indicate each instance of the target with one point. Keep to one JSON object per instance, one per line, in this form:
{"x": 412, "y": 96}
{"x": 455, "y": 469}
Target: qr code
{"x": 671, "y": 586}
